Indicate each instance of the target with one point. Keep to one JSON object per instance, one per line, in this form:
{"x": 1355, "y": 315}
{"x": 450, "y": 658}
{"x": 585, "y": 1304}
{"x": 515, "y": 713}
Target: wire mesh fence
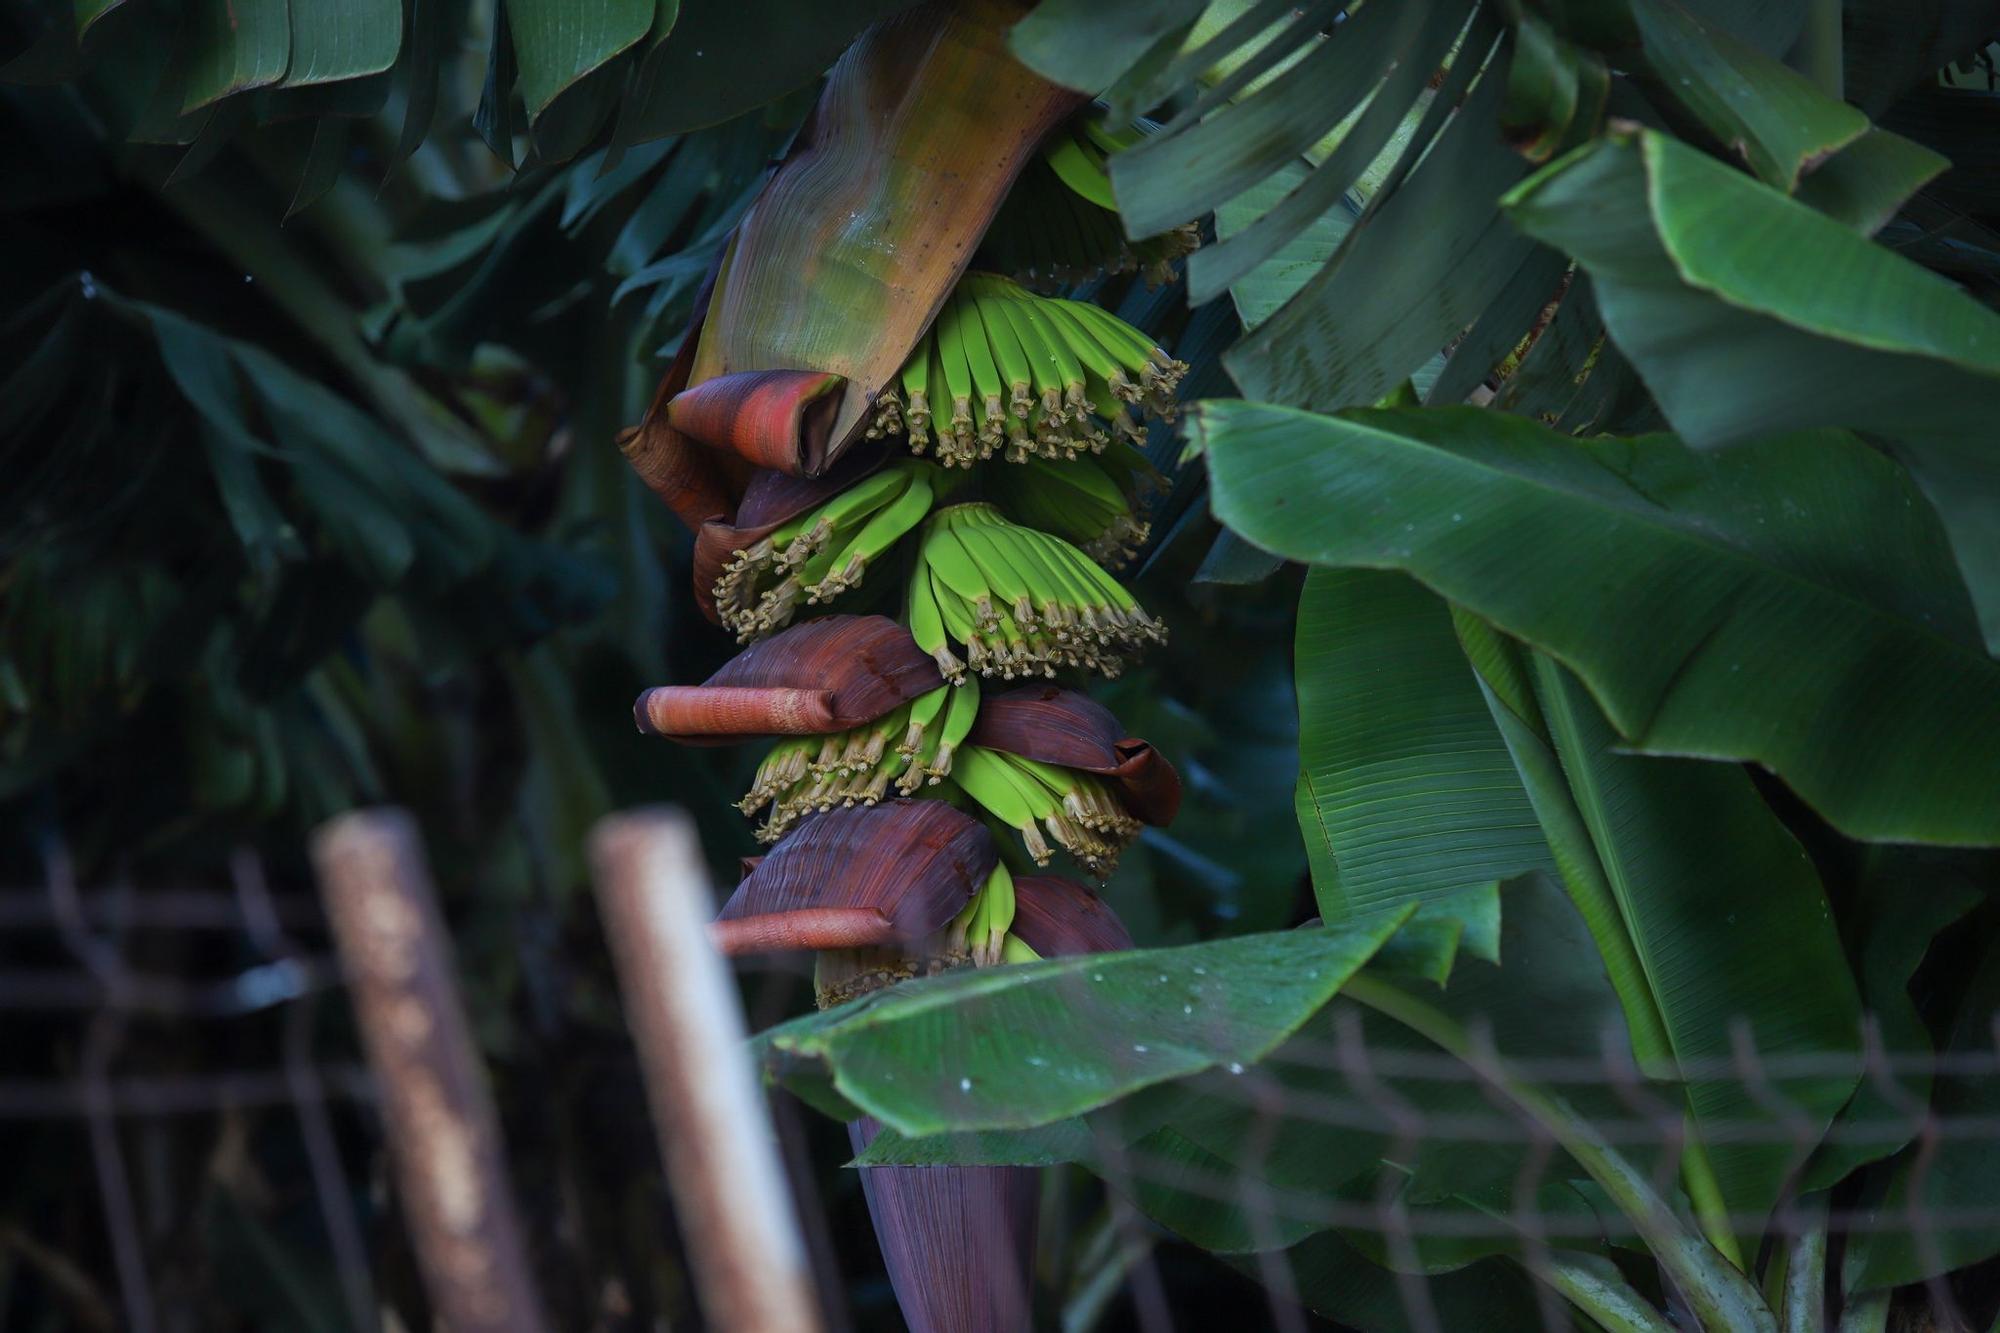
{"x": 75, "y": 967}
{"x": 1250, "y": 1160}
{"x": 1313, "y": 1094}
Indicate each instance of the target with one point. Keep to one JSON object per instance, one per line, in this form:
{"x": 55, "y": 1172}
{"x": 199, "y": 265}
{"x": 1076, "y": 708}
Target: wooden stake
{"x": 443, "y": 1135}
{"x": 715, "y": 1132}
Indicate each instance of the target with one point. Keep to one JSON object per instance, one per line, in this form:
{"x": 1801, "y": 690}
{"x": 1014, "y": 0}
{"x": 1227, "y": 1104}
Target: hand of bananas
{"x": 1021, "y": 602}
{"x": 822, "y": 553}
{"x": 981, "y": 929}
{"x": 1006, "y": 371}
{"x": 1076, "y": 809}
{"x": 856, "y": 767}
{"x": 1086, "y": 501}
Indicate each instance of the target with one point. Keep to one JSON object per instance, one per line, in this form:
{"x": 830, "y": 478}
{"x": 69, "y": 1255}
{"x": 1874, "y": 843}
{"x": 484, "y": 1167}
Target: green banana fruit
{"x": 763, "y": 584}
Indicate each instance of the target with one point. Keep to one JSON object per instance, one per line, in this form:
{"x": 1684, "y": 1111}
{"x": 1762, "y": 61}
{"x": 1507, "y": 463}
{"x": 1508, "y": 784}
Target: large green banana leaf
{"x": 1732, "y": 931}
{"x": 1407, "y": 279}
{"x": 1773, "y": 116}
{"x": 1749, "y": 313}
{"x": 1334, "y": 1279}
{"x": 1017, "y": 1047}
{"x": 1033, "y": 1045}
{"x": 1939, "y": 1201}
{"x": 557, "y": 42}
{"x": 1319, "y": 1123}
{"x": 1903, "y": 898}
{"x": 1263, "y": 291}
{"x": 1406, "y": 792}
{"x": 708, "y": 62}
{"x": 1791, "y": 602}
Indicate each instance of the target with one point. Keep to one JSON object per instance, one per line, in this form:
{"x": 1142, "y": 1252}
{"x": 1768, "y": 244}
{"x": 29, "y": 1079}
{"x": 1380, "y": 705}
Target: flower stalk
{"x": 851, "y": 396}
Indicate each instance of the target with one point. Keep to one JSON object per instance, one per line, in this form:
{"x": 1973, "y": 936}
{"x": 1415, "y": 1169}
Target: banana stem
{"x": 1805, "y": 1269}
{"x": 1721, "y": 1298}
{"x": 1705, "y": 1193}
{"x": 1817, "y": 54}
{"x": 1594, "y": 1285}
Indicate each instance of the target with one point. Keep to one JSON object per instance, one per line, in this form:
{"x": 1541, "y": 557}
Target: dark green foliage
{"x": 1624, "y": 371}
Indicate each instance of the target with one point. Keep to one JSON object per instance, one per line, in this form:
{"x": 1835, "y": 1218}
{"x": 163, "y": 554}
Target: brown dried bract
{"x": 777, "y": 419}
{"x": 896, "y": 873}
{"x": 1055, "y": 916}
{"x": 819, "y": 676}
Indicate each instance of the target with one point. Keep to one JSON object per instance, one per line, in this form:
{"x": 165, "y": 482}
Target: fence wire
{"x": 92, "y": 979}
{"x": 87, "y": 972}
{"x": 1421, "y": 1162}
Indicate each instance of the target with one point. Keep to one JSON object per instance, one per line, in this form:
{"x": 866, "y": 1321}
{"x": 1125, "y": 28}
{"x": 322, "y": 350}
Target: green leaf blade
{"x": 331, "y": 42}
{"x": 1406, "y": 791}
{"x": 235, "y": 45}
{"x": 1020, "y": 1047}
{"x": 1791, "y": 603}
{"x": 1739, "y": 940}
{"x": 1772, "y": 115}
{"x": 557, "y": 42}
{"x": 1403, "y": 284}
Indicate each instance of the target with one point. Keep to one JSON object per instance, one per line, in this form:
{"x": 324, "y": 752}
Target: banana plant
{"x": 1541, "y": 696}
{"x": 1622, "y": 373}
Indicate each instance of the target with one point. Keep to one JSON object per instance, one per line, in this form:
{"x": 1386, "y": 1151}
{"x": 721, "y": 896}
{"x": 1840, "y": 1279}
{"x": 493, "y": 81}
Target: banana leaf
{"x": 1411, "y": 275}
{"x": 1028, "y": 1045}
{"x": 558, "y": 42}
{"x": 1773, "y": 116}
{"x": 1406, "y": 792}
{"x": 1748, "y": 313}
{"x": 1938, "y": 1211}
{"x": 1351, "y": 1095}
{"x": 1791, "y": 602}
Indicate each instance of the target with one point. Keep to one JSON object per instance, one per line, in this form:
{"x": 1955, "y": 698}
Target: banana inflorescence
{"x": 1005, "y": 371}
{"x": 1076, "y": 810}
{"x": 819, "y": 555}
{"x": 1021, "y": 602}
{"x": 906, "y": 748}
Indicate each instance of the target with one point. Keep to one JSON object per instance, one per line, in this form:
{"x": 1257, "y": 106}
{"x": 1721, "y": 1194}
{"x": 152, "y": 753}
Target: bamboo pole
{"x": 653, "y": 891}
{"x": 443, "y": 1135}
